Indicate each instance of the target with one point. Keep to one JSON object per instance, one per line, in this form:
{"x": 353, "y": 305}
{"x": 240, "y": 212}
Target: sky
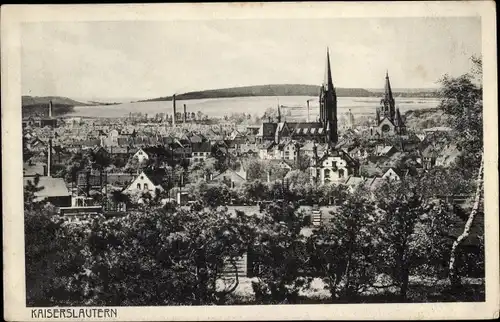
{"x": 146, "y": 59}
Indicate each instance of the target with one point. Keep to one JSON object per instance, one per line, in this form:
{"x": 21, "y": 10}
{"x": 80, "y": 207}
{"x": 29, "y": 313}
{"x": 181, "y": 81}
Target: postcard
{"x": 250, "y": 161}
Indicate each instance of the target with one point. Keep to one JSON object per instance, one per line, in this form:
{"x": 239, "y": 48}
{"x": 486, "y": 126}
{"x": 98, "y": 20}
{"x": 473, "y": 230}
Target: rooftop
{"x": 52, "y": 187}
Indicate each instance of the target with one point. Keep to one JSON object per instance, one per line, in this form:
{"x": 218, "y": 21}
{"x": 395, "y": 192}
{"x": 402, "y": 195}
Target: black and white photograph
{"x": 259, "y": 162}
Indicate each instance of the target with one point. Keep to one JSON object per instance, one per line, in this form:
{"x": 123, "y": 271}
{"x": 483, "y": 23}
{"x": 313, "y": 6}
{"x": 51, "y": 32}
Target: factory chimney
{"x": 185, "y": 113}
{"x": 175, "y": 110}
{"x": 49, "y": 158}
{"x": 307, "y": 111}
{"x": 50, "y": 108}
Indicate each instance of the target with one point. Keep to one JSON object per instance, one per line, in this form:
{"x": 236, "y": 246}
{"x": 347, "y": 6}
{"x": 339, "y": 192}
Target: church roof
{"x": 388, "y": 120}
{"x": 306, "y": 128}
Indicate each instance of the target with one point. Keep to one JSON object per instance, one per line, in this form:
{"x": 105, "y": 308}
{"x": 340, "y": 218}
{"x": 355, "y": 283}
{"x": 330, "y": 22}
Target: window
{"x": 386, "y": 128}
{"x": 327, "y": 175}
{"x": 138, "y": 186}
{"x": 146, "y": 186}
{"x": 341, "y": 173}
{"x": 140, "y": 152}
{"x": 142, "y": 177}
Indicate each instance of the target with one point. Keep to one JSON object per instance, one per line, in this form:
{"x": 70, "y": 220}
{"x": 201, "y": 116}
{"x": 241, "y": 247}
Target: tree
{"x": 216, "y": 195}
{"x": 99, "y": 159}
{"x": 197, "y": 190}
{"x": 304, "y": 162}
{"x": 445, "y": 182}
{"x": 161, "y": 259}
{"x": 412, "y": 230}
{"x": 344, "y": 250}
{"x": 49, "y": 259}
{"x": 462, "y": 101}
{"x": 453, "y": 274}
{"x": 255, "y": 190}
{"x": 298, "y": 182}
{"x": 76, "y": 163}
{"x": 30, "y": 190}
{"x": 279, "y": 255}
{"x": 270, "y": 113}
{"x": 117, "y": 196}
{"x": 255, "y": 169}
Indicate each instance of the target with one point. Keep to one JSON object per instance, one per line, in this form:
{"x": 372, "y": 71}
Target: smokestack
{"x": 297, "y": 148}
{"x": 49, "y": 158}
{"x": 175, "y": 110}
{"x": 50, "y": 108}
{"x": 185, "y": 113}
{"x": 307, "y": 111}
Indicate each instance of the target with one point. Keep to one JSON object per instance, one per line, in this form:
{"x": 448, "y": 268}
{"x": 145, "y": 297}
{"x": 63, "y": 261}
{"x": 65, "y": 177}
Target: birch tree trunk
{"x": 453, "y": 275}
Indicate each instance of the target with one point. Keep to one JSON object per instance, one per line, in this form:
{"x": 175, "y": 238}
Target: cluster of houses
{"x": 352, "y": 156}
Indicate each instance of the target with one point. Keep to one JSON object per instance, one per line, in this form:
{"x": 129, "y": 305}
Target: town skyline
{"x": 150, "y": 59}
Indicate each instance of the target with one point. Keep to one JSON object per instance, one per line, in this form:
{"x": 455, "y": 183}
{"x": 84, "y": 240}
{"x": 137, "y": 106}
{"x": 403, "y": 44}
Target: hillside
{"x": 409, "y": 92}
{"x": 58, "y": 100}
{"x": 38, "y": 105}
{"x": 265, "y": 90}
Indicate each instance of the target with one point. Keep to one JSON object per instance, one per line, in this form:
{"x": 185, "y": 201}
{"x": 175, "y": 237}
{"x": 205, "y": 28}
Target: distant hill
{"x": 409, "y": 92}
{"x": 59, "y": 100}
{"x": 264, "y": 90}
{"x": 38, "y": 105}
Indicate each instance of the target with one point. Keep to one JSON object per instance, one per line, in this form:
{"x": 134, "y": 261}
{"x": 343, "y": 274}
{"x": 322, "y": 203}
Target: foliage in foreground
{"x": 172, "y": 257}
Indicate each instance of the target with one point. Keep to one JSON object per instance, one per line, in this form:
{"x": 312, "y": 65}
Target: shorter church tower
{"x": 388, "y": 118}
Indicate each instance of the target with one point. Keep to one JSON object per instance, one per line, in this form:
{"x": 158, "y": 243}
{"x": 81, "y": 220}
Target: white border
{"x": 14, "y": 285}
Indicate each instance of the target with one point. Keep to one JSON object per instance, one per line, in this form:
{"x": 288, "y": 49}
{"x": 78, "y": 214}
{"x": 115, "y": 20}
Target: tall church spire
{"x": 328, "y": 104}
{"x": 327, "y": 81}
